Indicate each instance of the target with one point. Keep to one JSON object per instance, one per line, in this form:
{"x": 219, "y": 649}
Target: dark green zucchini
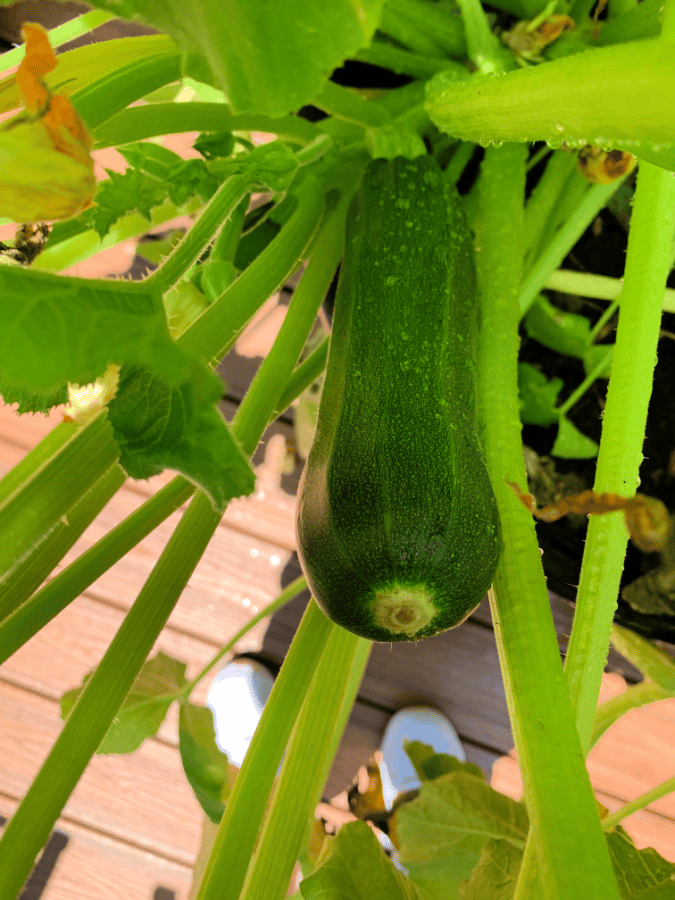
{"x": 398, "y": 530}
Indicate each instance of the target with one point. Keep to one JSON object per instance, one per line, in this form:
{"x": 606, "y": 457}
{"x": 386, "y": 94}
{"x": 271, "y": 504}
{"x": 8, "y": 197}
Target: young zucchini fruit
{"x": 398, "y": 531}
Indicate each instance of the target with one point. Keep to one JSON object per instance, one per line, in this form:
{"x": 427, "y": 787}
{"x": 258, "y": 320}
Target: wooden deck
{"x": 120, "y": 836}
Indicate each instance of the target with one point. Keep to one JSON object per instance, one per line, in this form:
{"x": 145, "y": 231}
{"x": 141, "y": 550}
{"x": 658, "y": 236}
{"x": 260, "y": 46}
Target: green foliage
{"x": 538, "y": 396}
{"x": 144, "y": 708}
{"x": 155, "y": 174}
{"x": 159, "y": 425}
{"x": 258, "y": 75}
{"x": 430, "y": 765}
{"x": 70, "y": 329}
{"x": 566, "y": 333}
{"x": 249, "y": 63}
{"x": 641, "y": 874}
{"x": 443, "y": 831}
{"x": 353, "y": 865}
{"x": 570, "y": 443}
{"x": 205, "y": 765}
{"x": 496, "y": 873}
{"x": 28, "y": 402}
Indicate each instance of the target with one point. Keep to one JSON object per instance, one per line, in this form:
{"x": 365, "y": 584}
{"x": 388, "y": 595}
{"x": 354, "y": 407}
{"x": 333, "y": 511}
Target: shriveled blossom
{"x": 46, "y": 169}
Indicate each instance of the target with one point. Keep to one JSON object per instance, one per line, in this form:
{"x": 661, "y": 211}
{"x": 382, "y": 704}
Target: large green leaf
{"x": 144, "y": 708}
{"x": 641, "y": 874}
{"x": 267, "y": 57}
{"x": 353, "y": 866}
{"x": 56, "y": 329}
{"x": 443, "y": 831}
{"x": 496, "y": 874}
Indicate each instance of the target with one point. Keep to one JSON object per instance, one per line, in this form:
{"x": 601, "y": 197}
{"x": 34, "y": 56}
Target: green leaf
{"x": 353, "y": 866}
{"x": 191, "y": 178}
{"x": 156, "y": 172}
{"x": 442, "y": 831}
{"x": 640, "y": 873}
{"x": 183, "y": 304}
{"x": 571, "y": 443}
{"x": 159, "y": 425}
{"x": 564, "y": 332}
{"x": 389, "y": 141}
{"x": 153, "y": 159}
{"x": 537, "y": 396}
{"x": 144, "y": 708}
{"x": 430, "y": 765}
{"x": 118, "y": 195}
{"x": 29, "y": 402}
{"x": 594, "y": 354}
{"x": 205, "y": 765}
{"x": 215, "y": 145}
{"x": 496, "y": 874}
{"x": 654, "y": 664}
{"x": 267, "y": 57}
{"x": 274, "y": 165}
{"x": 56, "y": 329}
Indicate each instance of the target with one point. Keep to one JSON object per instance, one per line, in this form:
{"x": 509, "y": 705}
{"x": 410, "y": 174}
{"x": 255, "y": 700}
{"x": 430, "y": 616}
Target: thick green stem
{"x": 306, "y": 374}
{"x": 29, "y": 574}
{"x": 48, "y": 602}
{"x": 89, "y": 720}
{"x": 543, "y": 199}
{"x": 661, "y": 790}
{"x": 63, "y": 34}
{"x": 214, "y": 332}
{"x": 310, "y": 753}
{"x": 296, "y": 327}
{"x": 31, "y": 511}
{"x": 223, "y": 203}
{"x": 48, "y": 447}
{"x": 565, "y": 827}
{"x": 138, "y": 123}
{"x": 558, "y": 248}
{"x": 102, "y": 99}
{"x": 624, "y": 419}
{"x": 239, "y": 827}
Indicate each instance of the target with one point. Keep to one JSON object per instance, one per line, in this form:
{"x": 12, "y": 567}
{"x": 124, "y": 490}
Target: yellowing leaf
{"x": 46, "y": 170}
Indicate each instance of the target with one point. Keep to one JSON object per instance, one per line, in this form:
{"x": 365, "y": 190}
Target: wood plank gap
{"x": 65, "y": 820}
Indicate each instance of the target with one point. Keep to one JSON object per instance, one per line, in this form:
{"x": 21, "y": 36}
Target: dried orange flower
{"x": 46, "y": 169}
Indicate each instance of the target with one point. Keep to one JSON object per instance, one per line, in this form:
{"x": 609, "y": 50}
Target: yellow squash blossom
{"x": 46, "y": 170}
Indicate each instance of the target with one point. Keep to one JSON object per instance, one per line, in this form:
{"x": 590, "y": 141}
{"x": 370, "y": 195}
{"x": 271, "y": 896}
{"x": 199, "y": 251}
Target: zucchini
{"x": 397, "y": 527}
